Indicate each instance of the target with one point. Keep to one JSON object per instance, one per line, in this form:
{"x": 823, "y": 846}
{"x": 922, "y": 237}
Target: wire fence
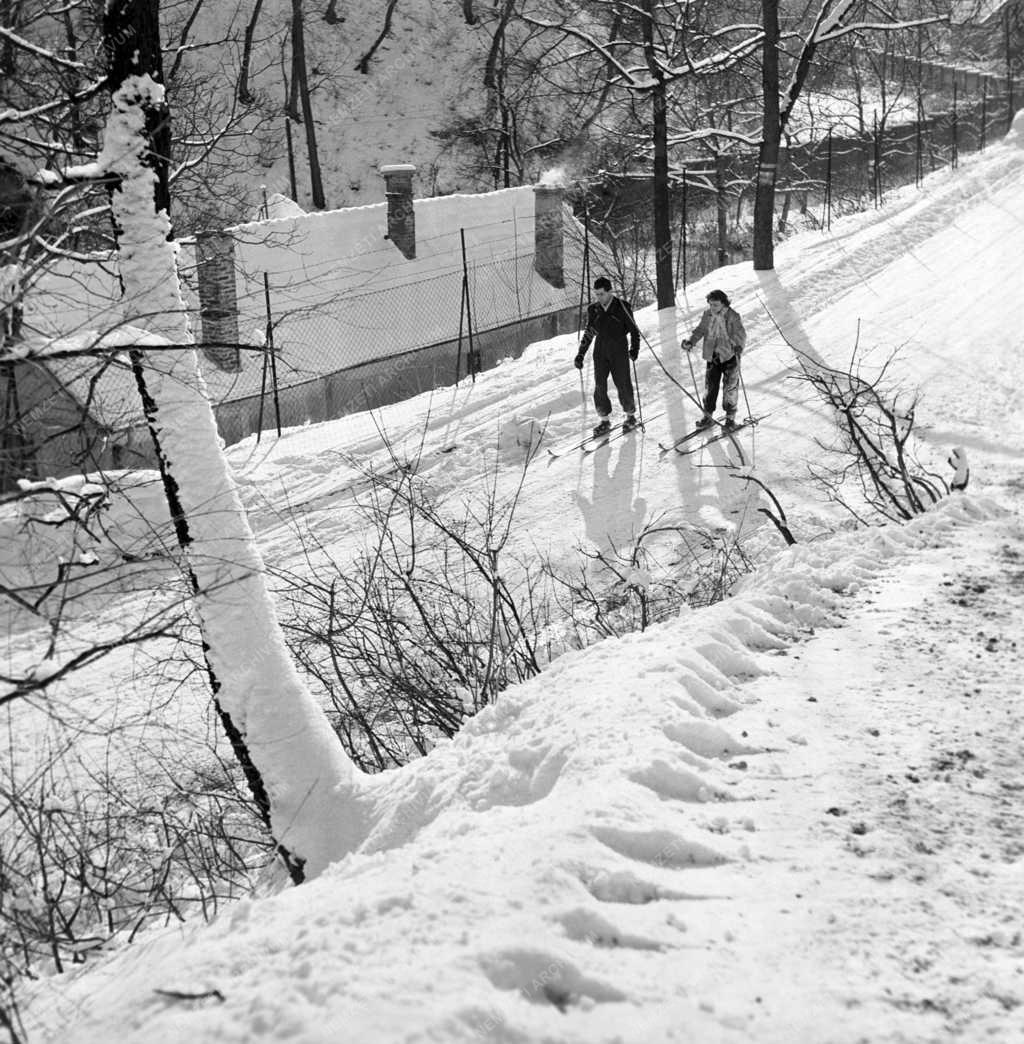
{"x": 365, "y": 349}
{"x": 841, "y": 172}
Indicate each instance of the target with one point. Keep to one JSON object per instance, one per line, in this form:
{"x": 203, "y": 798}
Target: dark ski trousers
{"x": 713, "y": 378}
{"x": 616, "y": 364}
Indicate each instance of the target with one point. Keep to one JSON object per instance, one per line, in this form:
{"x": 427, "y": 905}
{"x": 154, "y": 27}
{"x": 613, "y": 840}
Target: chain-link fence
{"x": 840, "y": 172}
{"x": 365, "y": 349}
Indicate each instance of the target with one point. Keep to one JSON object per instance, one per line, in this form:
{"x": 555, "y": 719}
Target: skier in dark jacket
{"x": 724, "y": 338}
{"x": 609, "y": 323}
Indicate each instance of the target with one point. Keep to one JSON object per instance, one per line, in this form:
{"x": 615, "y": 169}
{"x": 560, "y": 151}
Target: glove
{"x": 578, "y": 361}
{"x": 686, "y": 344}
{"x": 634, "y": 353}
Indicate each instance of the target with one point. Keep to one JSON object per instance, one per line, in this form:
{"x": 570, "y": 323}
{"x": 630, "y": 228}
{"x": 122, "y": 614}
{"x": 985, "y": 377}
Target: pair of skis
{"x": 688, "y": 443}
{"x": 595, "y": 442}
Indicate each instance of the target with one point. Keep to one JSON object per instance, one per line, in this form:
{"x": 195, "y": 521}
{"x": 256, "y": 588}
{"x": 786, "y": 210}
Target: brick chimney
{"x": 218, "y": 302}
{"x": 548, "y": 257}
{"x": 401, "y": 212}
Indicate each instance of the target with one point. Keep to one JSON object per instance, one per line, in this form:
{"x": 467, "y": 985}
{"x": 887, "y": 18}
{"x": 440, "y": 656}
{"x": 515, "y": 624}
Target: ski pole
{"x": 743, "y": 385}
{"x": 693, "y": 376}
{"x": 583, "y": 395}
{"x": 636, "y": 389}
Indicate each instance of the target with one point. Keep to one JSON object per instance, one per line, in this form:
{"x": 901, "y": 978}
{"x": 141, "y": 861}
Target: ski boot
{"x": 730, "y": 423}
{"x": 603, "y": 428}
{"x": 705, "y": 422}
{"x": 629, "y": 423}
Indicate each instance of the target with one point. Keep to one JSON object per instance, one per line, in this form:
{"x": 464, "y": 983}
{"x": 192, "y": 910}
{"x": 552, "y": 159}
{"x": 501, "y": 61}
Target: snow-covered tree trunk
{"x": 293, "y": 760}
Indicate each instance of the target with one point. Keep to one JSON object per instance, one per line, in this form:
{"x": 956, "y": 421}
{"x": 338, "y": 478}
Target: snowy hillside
{"x": 416, "y": 79}
{"x": 424, "y": 79}
{"x": 793, "y": 816}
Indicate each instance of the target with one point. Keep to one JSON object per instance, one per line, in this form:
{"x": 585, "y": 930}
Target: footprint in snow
{"x": 660, "y": 848}
{"x": 545, "y": 977}
{"x": 582, "y": 925}
{"x": 624, "y": 886}
{"x": 678, "y": 784}
{"x": 707, "y": 739}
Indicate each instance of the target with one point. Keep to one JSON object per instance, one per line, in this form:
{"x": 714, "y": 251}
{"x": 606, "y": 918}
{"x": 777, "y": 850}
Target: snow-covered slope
{"x": 427, "y": 69}
{"x": 722, "y": 830}
{"x": 424, "y": 79}
{"x": 934, "y": 277}
{"x": 791, "y": 817}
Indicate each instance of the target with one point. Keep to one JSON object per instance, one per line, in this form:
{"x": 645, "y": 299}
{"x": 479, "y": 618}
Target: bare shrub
{"x": 434, "y": 617}
{"x": 89, "y": 856}
{"x": 10, "y": 1015}
{"x": 431, "y": 621}
{"x": 68, "y": 547}
{"x": 778, "y": 516}
{"x": 666, "y": 567}
{"x": 875, "y": 422}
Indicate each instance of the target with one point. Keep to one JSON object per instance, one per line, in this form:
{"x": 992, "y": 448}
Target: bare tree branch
{"x": 22, "y": 115}
{"x": 39, "y": 52}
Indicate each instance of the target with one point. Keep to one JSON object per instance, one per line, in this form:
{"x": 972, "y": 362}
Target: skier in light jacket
{"x": 724, "y": 338}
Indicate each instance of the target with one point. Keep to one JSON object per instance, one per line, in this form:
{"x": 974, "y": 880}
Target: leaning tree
{"x": 304, "y": 786}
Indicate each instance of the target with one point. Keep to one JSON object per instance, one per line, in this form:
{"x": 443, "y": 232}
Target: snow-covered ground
{"x": 793, "y": 816}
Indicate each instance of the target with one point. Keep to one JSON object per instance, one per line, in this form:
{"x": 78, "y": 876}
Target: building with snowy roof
{"x": 373, "y": 304}
{"x": 303, "y": 317}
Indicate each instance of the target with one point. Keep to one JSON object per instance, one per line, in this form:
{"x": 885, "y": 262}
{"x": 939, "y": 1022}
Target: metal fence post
{"x": 954, "y": 155}
{"x": 681, "y": 256}
{"x": 270, "y": 355}
{"x": 876, "y": 181}
{"x": 1009, "y": 67}
{"x": 918, "y": 144}
{"x": 466, "y": 311}
{"x": 984, "y": 115}
{"x": 828, "y": 181}
{"x": 928, "y": 142}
